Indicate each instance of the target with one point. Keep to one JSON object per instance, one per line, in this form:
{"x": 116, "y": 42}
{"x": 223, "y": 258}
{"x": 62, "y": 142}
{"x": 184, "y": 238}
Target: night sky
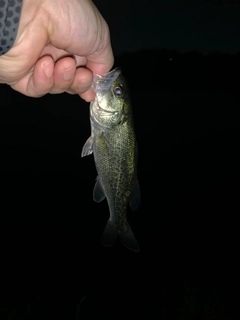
{"x": 203, "y": 25}
{"x": 181, "y": 62}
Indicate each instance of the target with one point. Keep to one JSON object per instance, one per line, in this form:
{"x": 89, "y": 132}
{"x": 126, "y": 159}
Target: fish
{"x": 114, "y": 147}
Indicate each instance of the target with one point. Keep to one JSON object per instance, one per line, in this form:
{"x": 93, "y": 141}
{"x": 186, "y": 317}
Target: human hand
{"x": 59, "y": 46}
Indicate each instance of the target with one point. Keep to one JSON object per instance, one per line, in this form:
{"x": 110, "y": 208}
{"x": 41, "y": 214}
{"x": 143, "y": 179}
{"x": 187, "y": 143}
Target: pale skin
{"x": 59, "y": 46}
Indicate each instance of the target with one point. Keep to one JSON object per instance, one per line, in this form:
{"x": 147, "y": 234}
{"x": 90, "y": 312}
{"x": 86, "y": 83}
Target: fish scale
{"x": 113, "y": 173}
{"x": 114, "y": 147}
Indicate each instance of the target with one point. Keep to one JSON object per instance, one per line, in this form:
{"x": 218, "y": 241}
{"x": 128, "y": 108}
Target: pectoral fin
{"x": 98, "y": 193}
{"x": 88, "y": 147}
{"x": 135, "y": 197}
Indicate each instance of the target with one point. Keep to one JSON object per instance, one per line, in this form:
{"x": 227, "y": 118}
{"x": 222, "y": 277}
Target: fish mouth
{"x": 98, "y": 111}
{"x": 104, "y": 82}
{"x": 99, "y": 116}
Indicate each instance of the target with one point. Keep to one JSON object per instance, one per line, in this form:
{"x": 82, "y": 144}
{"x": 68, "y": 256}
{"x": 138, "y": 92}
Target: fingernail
{"x": 68, "y": 75}
{"x": 48, "y": 70}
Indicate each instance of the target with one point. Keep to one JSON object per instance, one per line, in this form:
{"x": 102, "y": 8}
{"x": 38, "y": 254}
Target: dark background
{"x": 181, "y": 61}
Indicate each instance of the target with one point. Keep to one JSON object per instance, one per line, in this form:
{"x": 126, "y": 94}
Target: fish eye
{"x": 118, "y": 91}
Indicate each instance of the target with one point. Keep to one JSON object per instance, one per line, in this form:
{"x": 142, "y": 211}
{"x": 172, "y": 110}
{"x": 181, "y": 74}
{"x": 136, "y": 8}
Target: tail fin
{"x": 127, "y": 237}
{"x": 110, "y": 234}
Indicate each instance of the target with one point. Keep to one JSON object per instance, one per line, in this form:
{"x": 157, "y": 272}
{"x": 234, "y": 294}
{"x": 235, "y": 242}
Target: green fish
{"x": 114, "y": 147}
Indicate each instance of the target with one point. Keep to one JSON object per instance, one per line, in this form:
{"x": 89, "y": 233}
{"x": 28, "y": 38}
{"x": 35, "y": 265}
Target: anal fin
{"x": 135, "y": 197}
{"x": 98, "y": 193}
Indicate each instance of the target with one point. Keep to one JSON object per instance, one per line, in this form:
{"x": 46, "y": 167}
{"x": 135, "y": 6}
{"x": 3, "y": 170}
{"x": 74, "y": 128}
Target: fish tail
{"x": 127, "y": 237}
{"x": 110, "y": 234}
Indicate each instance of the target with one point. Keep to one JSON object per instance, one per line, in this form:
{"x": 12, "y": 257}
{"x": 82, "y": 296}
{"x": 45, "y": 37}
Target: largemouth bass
{"x": 114, "y": 147}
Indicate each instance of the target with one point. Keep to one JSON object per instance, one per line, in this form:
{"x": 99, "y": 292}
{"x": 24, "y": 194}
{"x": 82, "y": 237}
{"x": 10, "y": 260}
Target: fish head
{"x": 112, "y": 98}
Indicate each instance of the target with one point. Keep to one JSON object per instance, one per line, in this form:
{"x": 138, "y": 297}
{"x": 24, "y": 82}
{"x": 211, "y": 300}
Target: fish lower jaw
{"x": 100, "y": 109}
